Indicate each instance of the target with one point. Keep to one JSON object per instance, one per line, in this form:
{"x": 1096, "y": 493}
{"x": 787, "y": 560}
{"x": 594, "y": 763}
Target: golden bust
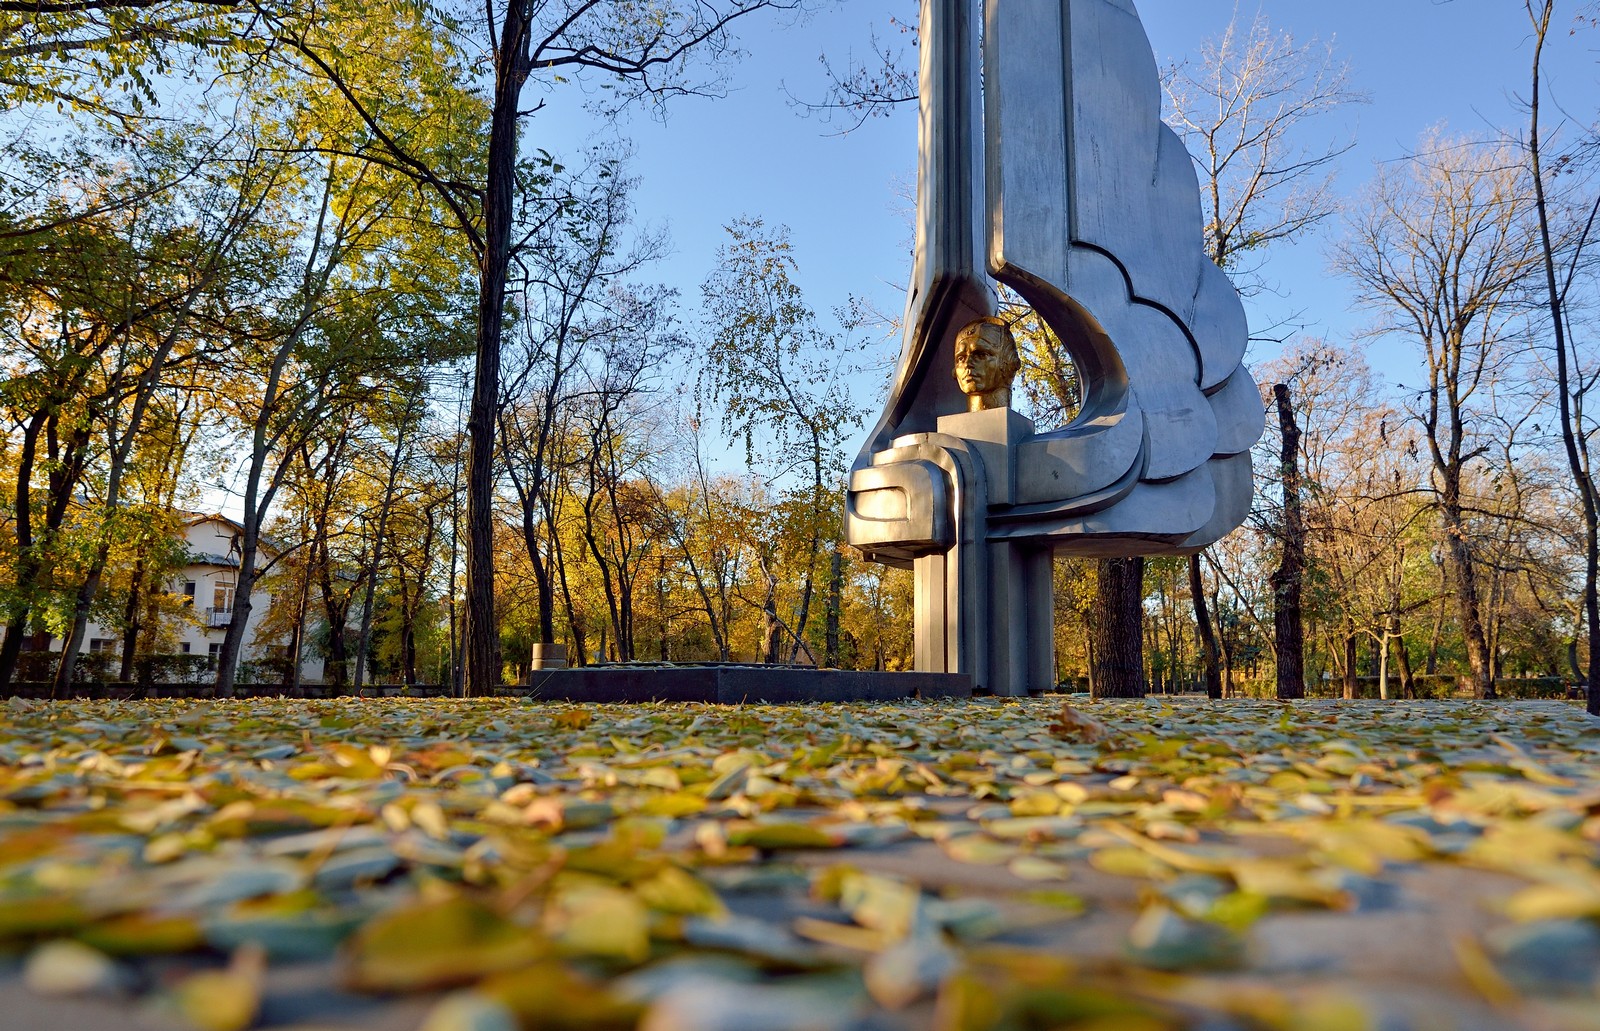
{"x": 986, "y": 363}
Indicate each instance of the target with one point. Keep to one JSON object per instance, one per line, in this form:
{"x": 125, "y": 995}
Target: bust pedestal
{"x": 984, "y": 607}
{"x": 994, "y": 435}
{"x": 1009, "y": 629}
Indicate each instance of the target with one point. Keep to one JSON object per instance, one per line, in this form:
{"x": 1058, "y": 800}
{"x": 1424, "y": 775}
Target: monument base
{"x": 734, "y": 685}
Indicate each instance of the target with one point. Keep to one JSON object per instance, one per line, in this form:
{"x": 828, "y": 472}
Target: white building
{"x": 206, "y": 583}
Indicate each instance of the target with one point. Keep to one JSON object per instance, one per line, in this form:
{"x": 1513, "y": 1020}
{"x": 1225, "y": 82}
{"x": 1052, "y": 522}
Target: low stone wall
{"x": 41, "y": 691}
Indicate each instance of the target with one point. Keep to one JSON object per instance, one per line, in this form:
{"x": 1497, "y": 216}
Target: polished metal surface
{"x": 1045, "y": 167}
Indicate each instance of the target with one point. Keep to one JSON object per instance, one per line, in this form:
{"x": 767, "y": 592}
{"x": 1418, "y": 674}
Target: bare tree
{"x": 1573, "y": 380}
{"x": 1441, "y": 250}
{"x": 1240, "y": 107}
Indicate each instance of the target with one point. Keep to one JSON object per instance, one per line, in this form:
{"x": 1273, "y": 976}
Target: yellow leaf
{"x": 979, "y": 849}
{"x": 881, "y": 903}
{"x": 1055, "y": 899}
{"x": 1190, "y": 860}
{"x": 430, "y": 819}
{"x": 222, "y": 1000}
{"x": 549, "y": 997}
{"x": 64, "y": 968}
{"x": 437, "y": 945}
{"x": 845, "y": 936}
{"x": 143, "y": 934}
{"x": 675, "y": 890}
{"x": 1034, "y": 868}
{"x": 574, "y": 719}
{"x": 1481, "y": 973}
{"x": 1287, "y": 880}
{"x": 1572, "y": 894}
{"x": 605, "y": 922}
{"x": 774, "y": 836}
{"x": 1127, "y": 861}
{"x": 1035, "y": 803}
{"x": 675, "y": 805}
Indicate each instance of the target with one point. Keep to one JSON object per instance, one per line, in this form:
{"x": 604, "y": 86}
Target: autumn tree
{"x": 776, "y": 375}
{"x": 602, "y": 43}
{"x": 574, "y": 295}
{"x": 1440, "y": 249}
{"x": 1241, "y": 107}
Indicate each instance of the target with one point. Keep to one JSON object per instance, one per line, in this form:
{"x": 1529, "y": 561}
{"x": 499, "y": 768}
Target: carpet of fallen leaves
{"x": 971, "y": 866}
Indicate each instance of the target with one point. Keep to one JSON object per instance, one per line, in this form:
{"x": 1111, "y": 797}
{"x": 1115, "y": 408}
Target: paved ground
{"x": 960, "y": 866}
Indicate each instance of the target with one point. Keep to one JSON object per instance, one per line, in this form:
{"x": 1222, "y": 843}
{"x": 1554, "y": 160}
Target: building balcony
{"x": 219, "y": 617}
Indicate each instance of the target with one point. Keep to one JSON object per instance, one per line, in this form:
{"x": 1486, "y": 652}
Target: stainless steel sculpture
{"x": 1047, "y": 156}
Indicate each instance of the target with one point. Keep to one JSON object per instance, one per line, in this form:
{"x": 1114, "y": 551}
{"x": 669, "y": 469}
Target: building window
{"x": 188, "y": 592}
{"x": 221, "y": 611}
{"x": 214, "y": 652}
{"x": 183, "y": 647}
{"x": 102, "y": 645}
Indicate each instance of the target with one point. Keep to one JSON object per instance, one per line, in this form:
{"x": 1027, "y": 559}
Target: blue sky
{"x": 1422, "y": 62}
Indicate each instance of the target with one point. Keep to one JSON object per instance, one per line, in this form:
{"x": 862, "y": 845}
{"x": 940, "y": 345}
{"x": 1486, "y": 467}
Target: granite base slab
{"x": 734, "y": 685}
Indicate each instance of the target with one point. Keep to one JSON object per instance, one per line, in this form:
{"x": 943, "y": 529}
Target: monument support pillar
{"x": 1021, "y": 639}
{"x": 1045, "y": 167}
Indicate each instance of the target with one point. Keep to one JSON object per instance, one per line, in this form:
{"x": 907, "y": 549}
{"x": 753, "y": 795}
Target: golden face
{"x": 986, "y": 359}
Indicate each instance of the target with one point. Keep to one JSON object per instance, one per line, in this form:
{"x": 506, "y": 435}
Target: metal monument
{"x": 1045, "y": 166}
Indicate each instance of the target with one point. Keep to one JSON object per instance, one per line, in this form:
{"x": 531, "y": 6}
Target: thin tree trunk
{"x": 1286, "y": 580}
{"x": 770, "y": 626}
{"x": 130, "y": 621}
{"x": 336, "y": 610}
{"x": 1209, "y": 654}
{"x": 661, "y": 603}
{"x": 1464, "y": 569}
{"x": 1350, "y": 642}
{"x": 835, "y": 606}
{"x": 1573, "y": 439}
{"x": 364, "y": 635}
{"x": 1402, "y": 658}
{"x": 297, "y": 647}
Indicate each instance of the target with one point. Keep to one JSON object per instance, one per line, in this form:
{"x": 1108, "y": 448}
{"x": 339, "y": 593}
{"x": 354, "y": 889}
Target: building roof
{"x": 266, "y": 543}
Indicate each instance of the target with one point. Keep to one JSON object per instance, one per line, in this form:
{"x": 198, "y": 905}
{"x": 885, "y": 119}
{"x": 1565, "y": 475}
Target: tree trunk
{"x": 27, "y": 560}
{"x": 661, "y": 604}
{"x": 1464, "y": 572}
{"x": 1402, "y": 658}
{"x": 771, "y": 628}
{"x": 1117, "y": 631}
{"x": 130, "y": 622}
{"x": 830, "y": 657}
{"x": 364, "y": 635}
{"x": 1351, "y": 640}
{"x": 482, "y": 647}
{"x": 1209, "y": 654}
{"x": 72, "y": 644}
{"x": 813, "y": 546}
{"x": 336, "y": 611}
{"x": 1287, "y": 579}
{"x": 297, "y": 640}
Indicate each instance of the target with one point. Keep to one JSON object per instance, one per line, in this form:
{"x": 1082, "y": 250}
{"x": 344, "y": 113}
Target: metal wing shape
{"x": 1091, "y": 213}
{"x": 1111, "y": 254}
